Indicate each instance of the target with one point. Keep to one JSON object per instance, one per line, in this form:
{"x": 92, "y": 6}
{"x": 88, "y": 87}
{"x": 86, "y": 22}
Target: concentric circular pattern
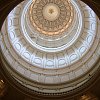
{"x": 60, "y": 62}
{"x": 51, "y": 16}
{"x": 51, "y": 43}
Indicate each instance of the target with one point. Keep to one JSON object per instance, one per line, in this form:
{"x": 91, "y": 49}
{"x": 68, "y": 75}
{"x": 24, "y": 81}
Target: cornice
{"x": 93, "y": 78}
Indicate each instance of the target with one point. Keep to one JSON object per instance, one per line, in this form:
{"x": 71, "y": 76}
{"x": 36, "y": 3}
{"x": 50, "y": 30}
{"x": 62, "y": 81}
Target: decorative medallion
{"x": 51, "y": 16}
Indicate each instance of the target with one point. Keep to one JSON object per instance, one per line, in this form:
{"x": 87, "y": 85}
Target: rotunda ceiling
{"x": 51, "y": 44}
{"x": 51, "y": 17}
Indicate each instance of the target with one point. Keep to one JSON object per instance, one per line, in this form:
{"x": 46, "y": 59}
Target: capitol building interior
{"x": 49, "y": 49}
